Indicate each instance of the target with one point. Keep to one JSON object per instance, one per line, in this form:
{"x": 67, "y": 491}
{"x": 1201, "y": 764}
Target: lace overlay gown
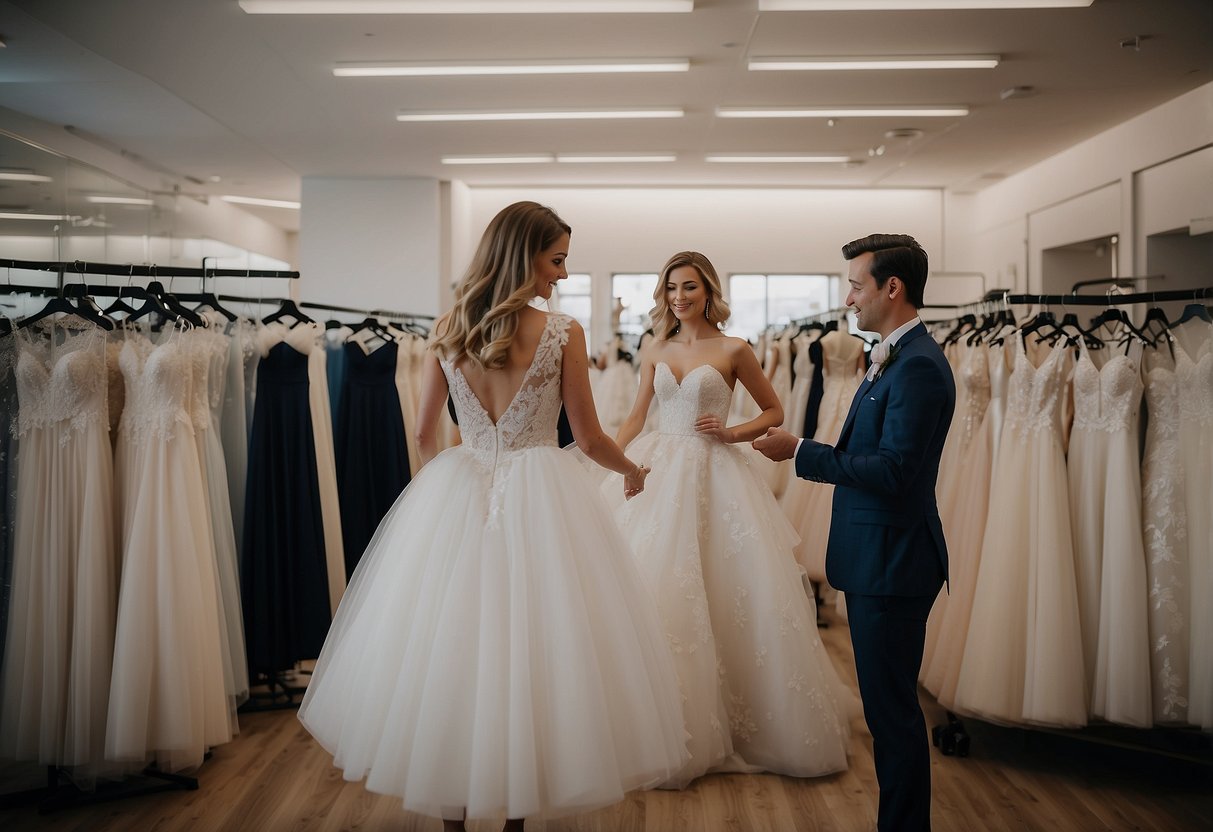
{"x": 1105, "y": 510}
{"x": 759, "y": 691}
{"x": 1023, "y": 660}
{"x": 61, "y": 623}
{"x": 496, "y": 649}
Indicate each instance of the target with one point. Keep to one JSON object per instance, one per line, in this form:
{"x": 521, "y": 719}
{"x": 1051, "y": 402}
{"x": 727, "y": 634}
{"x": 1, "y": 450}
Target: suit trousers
{"x": 888, "y": 633}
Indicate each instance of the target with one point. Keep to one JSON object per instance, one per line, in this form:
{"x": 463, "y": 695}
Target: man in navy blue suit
{"x": 886, "y": 548}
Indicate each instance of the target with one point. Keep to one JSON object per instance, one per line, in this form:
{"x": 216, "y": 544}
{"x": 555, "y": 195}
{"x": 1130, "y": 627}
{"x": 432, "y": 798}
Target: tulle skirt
{"x": 496, "y": 652}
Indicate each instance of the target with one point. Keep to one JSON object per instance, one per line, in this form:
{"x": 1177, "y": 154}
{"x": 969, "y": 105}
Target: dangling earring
{"x": 707, "y": 311}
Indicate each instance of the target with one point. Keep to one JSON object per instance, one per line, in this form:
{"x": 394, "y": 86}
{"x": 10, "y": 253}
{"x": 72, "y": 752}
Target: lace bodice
{"x": 1106, "y": 398}
{"x": 974, "y": 377}
{"x": 842, "y": 358}
{"x": 703, "y": 392}
{"x": 530, "y": 419}
{"x": 61, "y": 377}
{"x": 1034, "y": 394}
{"x": 158, "y": 381}
{"x": 1195, "y": 376}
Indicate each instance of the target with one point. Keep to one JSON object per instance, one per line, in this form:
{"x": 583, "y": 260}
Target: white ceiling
{"x": 202, "y": 89}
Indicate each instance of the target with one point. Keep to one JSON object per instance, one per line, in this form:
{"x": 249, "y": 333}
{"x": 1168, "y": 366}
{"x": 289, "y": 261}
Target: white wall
{"x": 740, "y": 230}
{"x": 372, "y": 243}
{"x": 1094, "y": 185}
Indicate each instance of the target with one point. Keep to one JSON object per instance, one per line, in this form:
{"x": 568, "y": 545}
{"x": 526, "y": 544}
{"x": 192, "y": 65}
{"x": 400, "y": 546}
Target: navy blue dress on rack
{"x": 372, "y": 457}
{"x": 283, "y": 573}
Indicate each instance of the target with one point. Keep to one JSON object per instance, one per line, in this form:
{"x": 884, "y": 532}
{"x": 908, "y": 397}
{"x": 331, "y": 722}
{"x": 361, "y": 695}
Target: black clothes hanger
{"x": 1192, "y": 310}
{"x": 206, "y": 300}
{"x": 285, "y": 310}
{"x": 58, "y": 304}
{"x": 1115, "y": 315}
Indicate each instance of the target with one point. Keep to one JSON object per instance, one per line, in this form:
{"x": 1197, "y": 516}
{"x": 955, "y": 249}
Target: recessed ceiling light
{"x": 532, "y": 159}
{"x": 264, "y": 203}
{"x": 880, "y": 63}
{"x": 8, "y": 215}
{"x": 466, "y": 6}
{"x": 595, "y": 159}
{"x": 911, "y": 5}
{"x": 776, "y": 158}
{"x": 546, "y": 115}
{"x": 118, "y": 200}
{"x": 24, "y": 177}
{"x": 841, "y": 112}
{"x": 441, "y": 69}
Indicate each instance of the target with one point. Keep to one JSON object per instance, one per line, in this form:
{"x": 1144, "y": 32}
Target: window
{"x": 572, "y": 297}
{"x": 761, "y": 300}
{"x": 635, "y": 292}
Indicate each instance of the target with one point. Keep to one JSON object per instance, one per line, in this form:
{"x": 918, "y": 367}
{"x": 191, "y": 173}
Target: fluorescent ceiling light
{"x": 910, "y": 5}
{"x": 532, "y": 159}
{"x": 775, "y": 158}
{"x": 551, "y": 115}
{"x": 841, "y": 112}
{"x": 24, "y": 177}
{"x": 434, "y": 69}
{"x": 118, "y": 200}
{"x": 265, "y": 203}
{"x": 10, "y": 215}
{"x": 576, "y": 159}
{"x": 907, "y": 62}
{"x": 466, "y": 6}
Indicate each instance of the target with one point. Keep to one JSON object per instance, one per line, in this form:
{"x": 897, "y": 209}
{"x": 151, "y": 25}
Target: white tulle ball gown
{"x": 496, "y": 650}
{"x": 759, "y": 691}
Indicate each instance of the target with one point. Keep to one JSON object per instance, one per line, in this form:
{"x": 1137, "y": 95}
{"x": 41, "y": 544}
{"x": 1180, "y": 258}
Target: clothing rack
{"x": 1185, "y": 744}
{"x": 68, "y": 267}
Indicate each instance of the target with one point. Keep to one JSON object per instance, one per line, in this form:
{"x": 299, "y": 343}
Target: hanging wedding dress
{"x": 1023, "y": 660}
{"x": 168, "y": 701}
{"x": 1105, "y": 514}
{"x": 57, "y": 657}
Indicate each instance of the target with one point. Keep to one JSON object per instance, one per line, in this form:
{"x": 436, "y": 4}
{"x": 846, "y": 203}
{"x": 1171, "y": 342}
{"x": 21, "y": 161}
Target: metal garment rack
{"x": 66, "y": 268}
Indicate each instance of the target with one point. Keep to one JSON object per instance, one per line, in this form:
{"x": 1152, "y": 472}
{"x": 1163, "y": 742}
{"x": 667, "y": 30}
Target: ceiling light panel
{"x": 842, "y": 112}
{"x": 545, "y": 115}
{"x": 9, "y": 215}
{"x": 911, "y": 5}
{"x": 441, "y": 69}
{"x": 467, "y": 6}
{"x": 118, "y": 200}
{"x": 776, "y": 158}
{"x": 620, "y": 158}
{"x": 874, "y": 63}
{"x": 264, "y": 203}
{"x": 531, "y": 159}
{"x": 24, "y": 177}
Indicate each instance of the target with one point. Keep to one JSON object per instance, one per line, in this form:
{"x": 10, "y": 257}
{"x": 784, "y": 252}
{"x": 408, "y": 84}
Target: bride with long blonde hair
{"x": 714, "y": 547}
{"x": 496, "y": 654}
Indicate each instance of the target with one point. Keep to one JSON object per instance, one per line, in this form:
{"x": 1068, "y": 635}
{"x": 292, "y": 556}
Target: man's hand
{"x": 776, "y": 445}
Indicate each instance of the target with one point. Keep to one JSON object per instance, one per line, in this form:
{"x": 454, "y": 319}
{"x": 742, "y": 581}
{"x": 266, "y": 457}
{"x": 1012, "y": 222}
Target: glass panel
{"x": 573, "y": 297}
{"x": 748, "y": 302}
{"x": 635, "y": 292}
{"x": 791, "y": 296}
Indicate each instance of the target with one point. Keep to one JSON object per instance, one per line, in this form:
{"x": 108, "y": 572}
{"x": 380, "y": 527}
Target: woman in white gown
{"x": 759, "y": 692}
{"x": 496, "y": 654}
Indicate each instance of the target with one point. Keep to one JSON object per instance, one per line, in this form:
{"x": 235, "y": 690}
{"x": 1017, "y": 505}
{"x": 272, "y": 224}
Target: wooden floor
{"x": 274, "y": 777}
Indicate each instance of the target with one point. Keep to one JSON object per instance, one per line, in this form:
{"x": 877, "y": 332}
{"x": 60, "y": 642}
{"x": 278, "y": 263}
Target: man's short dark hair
{"x": 897, "y": 255}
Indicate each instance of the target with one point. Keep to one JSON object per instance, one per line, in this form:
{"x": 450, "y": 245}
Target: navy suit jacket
{"x": 885, "y": 534}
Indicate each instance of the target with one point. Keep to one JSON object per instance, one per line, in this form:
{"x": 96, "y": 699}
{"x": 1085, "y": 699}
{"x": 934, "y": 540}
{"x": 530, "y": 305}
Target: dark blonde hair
{"x": 665, "y": 323}
{"x": 498, "y": 284}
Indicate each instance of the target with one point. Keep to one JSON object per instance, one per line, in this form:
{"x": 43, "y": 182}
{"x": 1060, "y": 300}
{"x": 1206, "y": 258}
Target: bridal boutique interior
{"x": 227, "y": 227}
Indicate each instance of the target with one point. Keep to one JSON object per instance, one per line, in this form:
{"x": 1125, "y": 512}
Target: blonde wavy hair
{"x": 497, "y": 285}
{"x": 665, "y": 323}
